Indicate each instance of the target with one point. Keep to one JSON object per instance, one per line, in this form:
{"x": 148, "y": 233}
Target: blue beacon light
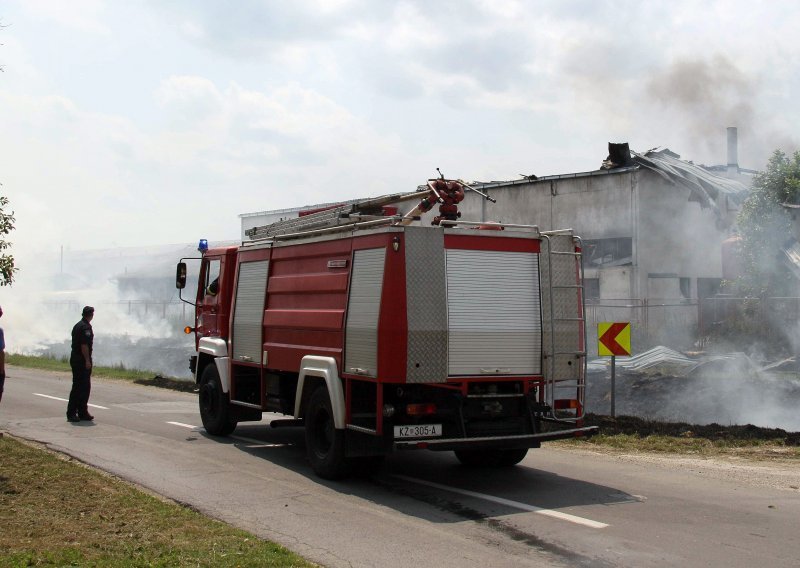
{"x": 203, "y": 246}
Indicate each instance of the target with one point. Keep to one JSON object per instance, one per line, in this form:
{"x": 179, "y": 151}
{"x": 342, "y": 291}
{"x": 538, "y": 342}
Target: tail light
{"x": 421, "y": 409}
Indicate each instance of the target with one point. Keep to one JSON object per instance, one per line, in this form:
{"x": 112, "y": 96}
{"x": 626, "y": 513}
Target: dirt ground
{"x": 774, "y": 473}
{"x": 713, "y": 432}
{"x": 729, "y": 396}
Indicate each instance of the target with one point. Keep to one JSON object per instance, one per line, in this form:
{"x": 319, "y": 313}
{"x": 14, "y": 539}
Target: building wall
{"x": 599, "y": 204}
{"x": 674, "y": 240}
{"x": 615, "y": 282}
{"x": 676, "y": 236}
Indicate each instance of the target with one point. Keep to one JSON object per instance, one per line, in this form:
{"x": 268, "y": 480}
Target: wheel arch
{"x": 214, "y": 349}
{"x": 314, "y": 371}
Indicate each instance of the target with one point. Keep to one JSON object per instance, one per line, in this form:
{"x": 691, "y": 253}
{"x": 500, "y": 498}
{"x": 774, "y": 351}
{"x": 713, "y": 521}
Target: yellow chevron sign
{"x": 613, "y": 338}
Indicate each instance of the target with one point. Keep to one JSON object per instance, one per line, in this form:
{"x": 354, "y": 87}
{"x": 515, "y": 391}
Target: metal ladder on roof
{"x": 564, "y": 329}
{"x": 342, "y": 216}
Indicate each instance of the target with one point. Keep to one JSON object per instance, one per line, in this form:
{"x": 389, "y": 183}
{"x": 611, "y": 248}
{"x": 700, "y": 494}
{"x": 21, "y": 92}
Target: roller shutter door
{"x": 494, "y": 313}
{"x": 249, "y": 311}
{"x": 363, "y": 309}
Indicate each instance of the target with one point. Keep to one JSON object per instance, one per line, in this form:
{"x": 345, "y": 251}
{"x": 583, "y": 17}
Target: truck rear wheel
{"x": 324, "y": 443}
{"x": 491, "y": 458}
{"x": 214, "y": 406}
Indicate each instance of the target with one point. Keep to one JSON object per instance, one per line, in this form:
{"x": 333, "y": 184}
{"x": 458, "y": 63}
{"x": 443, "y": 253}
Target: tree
{"x": 766, "y": 226}
{"x": 7, "y": 268}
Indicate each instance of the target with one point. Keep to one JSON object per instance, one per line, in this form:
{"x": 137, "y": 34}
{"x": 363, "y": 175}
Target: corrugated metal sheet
{"x": 791, "y": 251}
{"x": 704, "y": 185}
{"x": 494, "y": 312}
{"x": 363, "y": 309}
{"x": 249, "y": 310}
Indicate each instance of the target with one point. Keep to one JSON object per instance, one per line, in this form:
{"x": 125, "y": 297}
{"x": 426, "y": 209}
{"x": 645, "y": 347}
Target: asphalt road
{"x": 558, "y": 508}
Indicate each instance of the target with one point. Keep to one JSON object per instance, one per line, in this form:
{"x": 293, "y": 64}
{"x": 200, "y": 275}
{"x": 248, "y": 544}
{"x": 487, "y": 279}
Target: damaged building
{"x": 652, "y": 226}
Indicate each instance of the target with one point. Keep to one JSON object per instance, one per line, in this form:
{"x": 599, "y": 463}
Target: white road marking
{"x": 182, "y": 425}
{"x": 252, "y": 441}
{"x": 67, "y": 400}
{"x": 48, "y": 396}
{"x": 516, "y": 504}
{"x": 258, "y": 443}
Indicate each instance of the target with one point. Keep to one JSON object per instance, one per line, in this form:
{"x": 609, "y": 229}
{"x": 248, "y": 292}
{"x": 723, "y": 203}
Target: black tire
{"x": 324, "y": 443}
{"x": 215, "y": 409}
{"x": 491, "y": 458}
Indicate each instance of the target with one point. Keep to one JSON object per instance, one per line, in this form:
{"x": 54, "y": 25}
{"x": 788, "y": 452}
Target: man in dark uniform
{"x": 80, "y": 360}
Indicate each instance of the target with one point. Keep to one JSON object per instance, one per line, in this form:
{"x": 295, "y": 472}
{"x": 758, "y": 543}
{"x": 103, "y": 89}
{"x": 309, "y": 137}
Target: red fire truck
{"x": 377, "y": 334}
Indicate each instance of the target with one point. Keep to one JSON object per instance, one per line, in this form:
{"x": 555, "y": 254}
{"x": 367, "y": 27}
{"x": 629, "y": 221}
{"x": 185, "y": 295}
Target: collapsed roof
{"x": 705, "y": 187}
{"x": 791, "y": 255}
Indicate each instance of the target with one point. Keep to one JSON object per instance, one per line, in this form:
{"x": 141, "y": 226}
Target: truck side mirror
{"x": 180, "y": 276}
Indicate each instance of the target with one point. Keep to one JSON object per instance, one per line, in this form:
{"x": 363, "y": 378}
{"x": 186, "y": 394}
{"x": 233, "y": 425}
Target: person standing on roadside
{"x": 2, "y": 358}
{"x": 80, "y": 360}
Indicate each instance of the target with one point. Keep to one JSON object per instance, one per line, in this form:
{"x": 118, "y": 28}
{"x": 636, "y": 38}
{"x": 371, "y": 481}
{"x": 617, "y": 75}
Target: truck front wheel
{"x": 214, "y": 406}
{"x": 491, "y": 458}
{"x": 324, "y": 443}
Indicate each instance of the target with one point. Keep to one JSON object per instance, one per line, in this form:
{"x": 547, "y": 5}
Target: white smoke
{"x": 138, "y": 319}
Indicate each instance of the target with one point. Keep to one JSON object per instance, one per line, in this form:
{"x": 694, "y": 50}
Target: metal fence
{"x": 670, "y": 322}
{"x": 771, "y": 315}
{"x": 684, "y": 323}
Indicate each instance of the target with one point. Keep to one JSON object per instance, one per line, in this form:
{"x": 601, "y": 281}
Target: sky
{"x": 142, "y": 123}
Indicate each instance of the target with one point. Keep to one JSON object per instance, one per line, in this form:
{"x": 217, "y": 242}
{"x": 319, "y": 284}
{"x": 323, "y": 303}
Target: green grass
{"x": 56, "y": 512}
{"x": 149, "y": 378}
{"x": 50, "y": 363}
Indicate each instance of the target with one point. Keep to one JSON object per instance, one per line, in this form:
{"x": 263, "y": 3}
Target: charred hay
{"x": 633, "y": 426}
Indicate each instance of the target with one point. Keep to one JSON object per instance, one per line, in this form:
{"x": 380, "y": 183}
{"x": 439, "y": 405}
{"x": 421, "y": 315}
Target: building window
{"x": 608, "y": 252}
{"x": 686, "y": 287}
{"x": 591, "y": 288}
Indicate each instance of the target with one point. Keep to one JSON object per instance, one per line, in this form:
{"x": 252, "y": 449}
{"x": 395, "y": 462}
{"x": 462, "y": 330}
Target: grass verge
{"x": 56, "y": 512}
{"x": 631, "y": 434}
{"x": 148, "y": 378}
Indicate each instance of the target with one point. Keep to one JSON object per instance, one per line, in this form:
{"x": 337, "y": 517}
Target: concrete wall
{"x": 672, "y": 237}
{"x": 615, "y": 282}
{"x": 598, "y": 205}
{"x": 676, "y": 236}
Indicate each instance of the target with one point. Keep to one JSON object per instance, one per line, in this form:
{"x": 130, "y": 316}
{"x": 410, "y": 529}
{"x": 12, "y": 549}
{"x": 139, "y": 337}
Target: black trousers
{"x": 81, "y": 387}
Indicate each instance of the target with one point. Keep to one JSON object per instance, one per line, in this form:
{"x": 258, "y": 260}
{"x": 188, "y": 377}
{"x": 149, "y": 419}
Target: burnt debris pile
{"x": 702, "y": 389}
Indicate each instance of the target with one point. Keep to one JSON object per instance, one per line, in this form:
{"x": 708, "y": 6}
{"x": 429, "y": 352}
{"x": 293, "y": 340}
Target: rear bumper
{"x": 494, "y": 442}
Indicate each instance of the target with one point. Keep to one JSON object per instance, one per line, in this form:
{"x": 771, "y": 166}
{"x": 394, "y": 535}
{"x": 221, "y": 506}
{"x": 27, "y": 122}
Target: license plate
{"x": 418, "y": 431}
